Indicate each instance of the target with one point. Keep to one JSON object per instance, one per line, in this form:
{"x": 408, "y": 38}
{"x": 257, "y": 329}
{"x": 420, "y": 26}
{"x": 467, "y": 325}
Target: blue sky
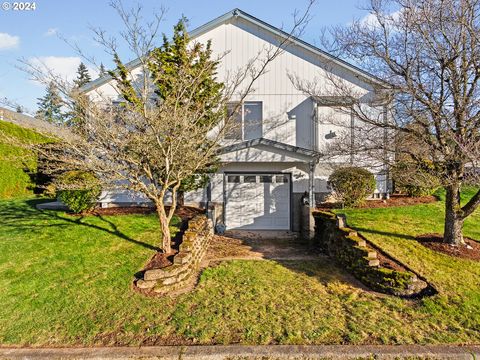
{"x": 35, "y": 34}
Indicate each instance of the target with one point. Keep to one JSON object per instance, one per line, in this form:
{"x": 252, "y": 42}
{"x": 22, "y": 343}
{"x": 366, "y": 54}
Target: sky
{"x": 42, "y": 35}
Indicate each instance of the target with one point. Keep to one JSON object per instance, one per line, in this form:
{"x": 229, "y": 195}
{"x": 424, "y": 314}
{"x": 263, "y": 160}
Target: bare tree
{"x": 166, "y": 125}
{"x": 427, "y": 53}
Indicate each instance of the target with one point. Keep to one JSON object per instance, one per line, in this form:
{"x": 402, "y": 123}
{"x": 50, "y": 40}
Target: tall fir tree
{"x": 168, "y": 64}
{"x": 50, "y": 106}
{"x": 76, "y": 117}
{"x": 188, "y": 104}
{"x": 83, "y": 76}
{"x": 102, "y": 71}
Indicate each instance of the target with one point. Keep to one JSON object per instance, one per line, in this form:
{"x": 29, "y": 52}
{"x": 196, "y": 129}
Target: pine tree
{"x": 83, "y": 76}
{"x": 102, "y": 71}
{"x": 50, "y": 106}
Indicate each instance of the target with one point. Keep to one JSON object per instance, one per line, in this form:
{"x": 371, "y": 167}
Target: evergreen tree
{"x": 168, "y": 64}
{"x": 83, "y": 76}
{"x": 102, "y": 71}
{"x": 189, "y": 104}
{"x": 76, "y": 117}
{"x": 50, "y": 106}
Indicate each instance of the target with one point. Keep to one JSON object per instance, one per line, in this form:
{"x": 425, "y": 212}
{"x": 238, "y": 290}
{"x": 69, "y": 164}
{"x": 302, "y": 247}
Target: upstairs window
{"x": 246, "y": 123}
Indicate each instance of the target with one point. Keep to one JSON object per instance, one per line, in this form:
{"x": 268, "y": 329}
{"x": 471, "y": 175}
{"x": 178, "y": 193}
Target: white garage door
{"x": 257, "y": 201}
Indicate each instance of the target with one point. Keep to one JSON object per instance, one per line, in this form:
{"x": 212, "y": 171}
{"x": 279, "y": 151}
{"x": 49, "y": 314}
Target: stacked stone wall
{"x": 183, "y": 273}
{"x": 350, "y": 249}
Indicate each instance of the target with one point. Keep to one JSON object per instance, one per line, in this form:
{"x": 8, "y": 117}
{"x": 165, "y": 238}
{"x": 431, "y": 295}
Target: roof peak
{"x": 237, "y": 12}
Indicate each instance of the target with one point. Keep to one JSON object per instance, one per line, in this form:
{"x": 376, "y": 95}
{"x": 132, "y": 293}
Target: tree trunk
{"x": 180, "y": 198}
{"x": 453, "y": 216}
{"x": 165, "y": 229}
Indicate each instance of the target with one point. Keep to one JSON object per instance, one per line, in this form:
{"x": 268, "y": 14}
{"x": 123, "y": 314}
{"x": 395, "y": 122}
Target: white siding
{"x": 287, "y": 111}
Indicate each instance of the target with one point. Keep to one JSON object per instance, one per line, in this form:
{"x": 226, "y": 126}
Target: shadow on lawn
{"x": 288, "y": 250}
{"x": 385, "y": 233}
{"x": 18, "y": 216}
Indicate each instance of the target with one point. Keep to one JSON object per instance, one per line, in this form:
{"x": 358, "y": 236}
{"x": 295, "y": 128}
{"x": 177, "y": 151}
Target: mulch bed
{"x": 185, "y": 212}
{"x": 395, "y": 200}
{"x": 399, "y": 200}
{"x": 435, "y": 242}
{"x": 389, "y": 263}
{"x": 122, "y": 210}
{"x": 160, "y": 260}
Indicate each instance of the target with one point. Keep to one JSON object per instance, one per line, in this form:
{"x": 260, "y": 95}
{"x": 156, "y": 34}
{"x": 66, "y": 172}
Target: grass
{"x": 67, "y": 281}
{"x": 16, "y": 162}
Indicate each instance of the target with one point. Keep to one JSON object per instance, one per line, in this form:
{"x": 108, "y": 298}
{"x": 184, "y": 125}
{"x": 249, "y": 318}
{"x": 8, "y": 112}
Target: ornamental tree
{"x": 426, "y": 55}
{"x": 163, "y": 131}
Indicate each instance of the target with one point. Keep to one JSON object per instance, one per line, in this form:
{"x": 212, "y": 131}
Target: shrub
{"x": 352, "y": 184}
{"x": 79, "y": 190}
{"x": 413, "y": 180}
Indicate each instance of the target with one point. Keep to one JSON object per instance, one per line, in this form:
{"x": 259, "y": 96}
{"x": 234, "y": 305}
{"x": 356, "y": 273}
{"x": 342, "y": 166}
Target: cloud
{"x": 8, "y": 41}
{"x": 51, "y": 32}
{"x": 64, "y": 67}
{"x": 371, "y": 20}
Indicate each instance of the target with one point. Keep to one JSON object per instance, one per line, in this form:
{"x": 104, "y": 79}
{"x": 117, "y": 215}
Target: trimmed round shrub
{"x": 412, "y": 180}
{"x": 352, "y": 184}
{"x": 79, "y": 190}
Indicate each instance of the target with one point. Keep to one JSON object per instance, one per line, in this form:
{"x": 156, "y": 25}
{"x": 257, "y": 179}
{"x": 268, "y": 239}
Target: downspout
{"x": 352, "y": 137}
{"x": 315, "y": 144}
{"x": 385, "y": 154}
{"x": 313, "y": 164}
{"x": 311, "y": 182}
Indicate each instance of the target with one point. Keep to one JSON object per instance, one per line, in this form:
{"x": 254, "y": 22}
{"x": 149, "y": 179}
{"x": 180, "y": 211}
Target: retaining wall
{"x": 351, "y": 250}
{"x": 186, "y": 263}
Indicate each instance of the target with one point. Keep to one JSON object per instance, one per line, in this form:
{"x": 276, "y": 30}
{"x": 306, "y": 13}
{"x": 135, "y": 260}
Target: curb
{"x": 255, "y": 352}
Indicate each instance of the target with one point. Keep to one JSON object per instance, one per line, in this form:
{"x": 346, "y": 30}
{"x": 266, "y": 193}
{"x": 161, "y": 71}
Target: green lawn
{"x": 67, "y": 281}
{"x": 16, "y": 162}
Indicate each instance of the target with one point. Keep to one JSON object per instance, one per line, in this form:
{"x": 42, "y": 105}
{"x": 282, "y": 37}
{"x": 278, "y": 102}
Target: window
{"x": 279, "y": 179}
{"x": 233, "y": 179}
{"x": 249, "y": 179}
{"x": 246, "y": 122}
{"x": 265, "y": 178}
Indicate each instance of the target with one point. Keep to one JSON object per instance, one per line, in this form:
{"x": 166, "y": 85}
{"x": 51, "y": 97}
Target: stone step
{"x": 373, "y": 262}
{"x": 163, "y": 273}
{"x": 142, "y": 284}
{"x": 182, "y": 257}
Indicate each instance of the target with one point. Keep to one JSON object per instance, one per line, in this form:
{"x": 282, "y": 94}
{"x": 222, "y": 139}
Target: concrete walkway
{"x": 248, "y": 352}
{"x": 257, "y": 245}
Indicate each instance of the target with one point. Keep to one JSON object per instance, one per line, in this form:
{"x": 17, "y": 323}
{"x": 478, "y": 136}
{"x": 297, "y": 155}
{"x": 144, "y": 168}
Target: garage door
{"x": 257, "y": 201}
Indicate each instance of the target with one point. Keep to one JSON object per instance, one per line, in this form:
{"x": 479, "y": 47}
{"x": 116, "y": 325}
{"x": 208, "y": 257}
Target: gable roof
{"x": 237, "y": 13}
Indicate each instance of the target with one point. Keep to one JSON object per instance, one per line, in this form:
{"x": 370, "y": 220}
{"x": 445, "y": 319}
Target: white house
{"x": 267, "y": 167}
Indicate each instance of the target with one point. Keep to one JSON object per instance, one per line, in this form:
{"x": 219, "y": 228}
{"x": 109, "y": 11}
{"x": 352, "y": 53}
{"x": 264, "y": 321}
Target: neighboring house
{"x": 276, "y": 156}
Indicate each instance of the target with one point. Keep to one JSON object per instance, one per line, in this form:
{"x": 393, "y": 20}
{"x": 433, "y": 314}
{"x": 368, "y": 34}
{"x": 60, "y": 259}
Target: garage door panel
{"x": 257, "y": 201}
